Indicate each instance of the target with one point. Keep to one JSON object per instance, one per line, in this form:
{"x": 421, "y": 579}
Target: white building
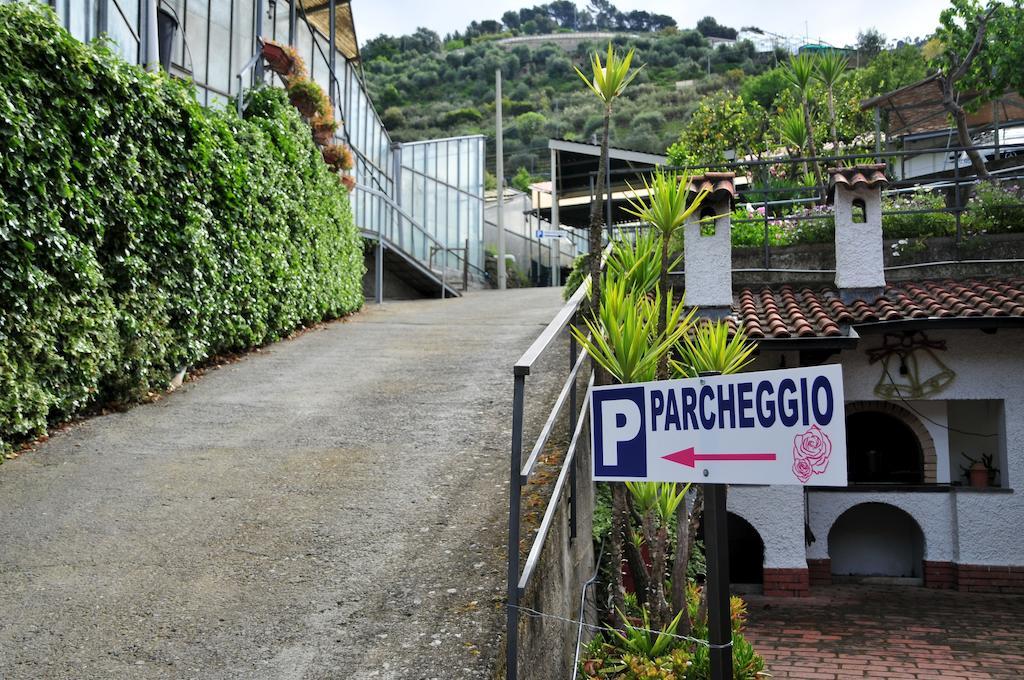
{"x": 932, "y": 376}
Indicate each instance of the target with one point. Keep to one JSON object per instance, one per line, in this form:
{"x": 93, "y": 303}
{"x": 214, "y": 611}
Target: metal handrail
{"x": 414, "y": 224}
{"x": 549, "y": 425}
{"x": 519, "y": 473}
{"x": 253, "y": 60}
{"x": 556, "y": 495}
{"x": 551, "y": 331}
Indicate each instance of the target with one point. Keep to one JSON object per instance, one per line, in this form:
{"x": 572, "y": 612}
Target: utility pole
{"x": 499, "y": 170}
{"x": 555, "y": 222}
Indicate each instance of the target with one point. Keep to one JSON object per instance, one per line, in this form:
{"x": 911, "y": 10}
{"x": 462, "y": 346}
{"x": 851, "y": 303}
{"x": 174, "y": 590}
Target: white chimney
{"x": 857, "y": 195}
{"x": 707, "y": 258}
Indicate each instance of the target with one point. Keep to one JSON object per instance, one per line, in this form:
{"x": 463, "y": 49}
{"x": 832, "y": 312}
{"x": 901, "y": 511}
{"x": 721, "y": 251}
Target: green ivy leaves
{"x": 140, "y": 232}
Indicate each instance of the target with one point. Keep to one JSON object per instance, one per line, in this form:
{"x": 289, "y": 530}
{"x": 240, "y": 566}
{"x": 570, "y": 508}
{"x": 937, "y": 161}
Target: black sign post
{"x": 716, "y": 541}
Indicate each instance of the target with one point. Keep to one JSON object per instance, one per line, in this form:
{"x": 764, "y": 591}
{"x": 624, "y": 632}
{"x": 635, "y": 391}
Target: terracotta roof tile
{"x": 856, "y": 177}
{"x": 719, "y": 185}
{"x": 785, "y": 312}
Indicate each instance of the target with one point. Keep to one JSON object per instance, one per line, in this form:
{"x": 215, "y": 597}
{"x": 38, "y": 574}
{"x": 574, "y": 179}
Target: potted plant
{"x": 349, "y": 181}
{"x": 307, "y": 96}
{"x": 982, "y": 472}
{"x": 324, "y": 127}
{"x": 280, "y": 58}
{"x": 338, "y": 156}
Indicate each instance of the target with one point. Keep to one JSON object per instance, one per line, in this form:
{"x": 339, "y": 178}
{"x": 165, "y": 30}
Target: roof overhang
{"x": 319, "y": 14}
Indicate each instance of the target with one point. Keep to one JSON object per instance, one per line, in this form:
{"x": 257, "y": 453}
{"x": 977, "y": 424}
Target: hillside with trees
{"x": 425, "y": 86}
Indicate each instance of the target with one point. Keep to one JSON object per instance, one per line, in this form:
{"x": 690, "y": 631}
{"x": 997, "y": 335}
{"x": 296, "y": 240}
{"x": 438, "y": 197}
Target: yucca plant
{"x": 624, "y": 338}
{"x": 642, "y": 641}
{"x": 793, "y": 132}
{"x": 656, "y": 502}
{"x": 636, "y": 260}
{"x": 608, "y": 81}
{"x": 710, "y": 349}
{"x": 799, "y": 73}
{"x": 624, "y": 341}
{"x": 666, "y": 209}
{"x": 831, "y": 69}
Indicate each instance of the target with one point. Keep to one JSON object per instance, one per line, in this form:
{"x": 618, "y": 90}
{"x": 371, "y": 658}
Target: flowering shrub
{"x": 898, "y": 222}
{"x": 995, "y": 209}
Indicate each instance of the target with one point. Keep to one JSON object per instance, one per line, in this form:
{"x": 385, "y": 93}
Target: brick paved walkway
{"x": 860, "y": 631}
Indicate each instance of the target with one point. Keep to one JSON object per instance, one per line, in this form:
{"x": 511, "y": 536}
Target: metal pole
{"x": 995, "y": 127}
{"x": 378, "y": 270}
{"x": 512, "y": 621}
{"x": 291, "y": 21}
{"x": 258, "y": 70}
{"x": 465, "y": 266}
{"x": 555, "y": 222}
{"x": 499, "y": 170}
{"x": 878, "y": 135}
{"x": 332, "y": 62}
{"x": 956, "y": 199}
{"x": 767, "y": 253}
{"x": 572, "y": 428}
{"x": 717, "y": 542}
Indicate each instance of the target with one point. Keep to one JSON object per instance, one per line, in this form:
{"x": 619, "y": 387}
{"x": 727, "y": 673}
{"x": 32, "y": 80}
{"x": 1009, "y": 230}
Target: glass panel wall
{"x": 443, "y": 192}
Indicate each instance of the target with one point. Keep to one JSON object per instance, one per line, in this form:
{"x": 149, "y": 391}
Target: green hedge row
{"x": 140, "y": 233}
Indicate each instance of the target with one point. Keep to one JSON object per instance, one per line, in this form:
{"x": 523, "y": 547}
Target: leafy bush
{"x": 896, "y": 225}
{"x": 995, "y": 209}
{"x": 140, "y": 233}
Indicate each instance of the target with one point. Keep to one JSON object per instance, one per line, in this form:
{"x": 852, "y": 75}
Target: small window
{"x": 707, "y": 221}
{"x": 860, "y": 211}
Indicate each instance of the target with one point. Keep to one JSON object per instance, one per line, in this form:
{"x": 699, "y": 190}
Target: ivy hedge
{"x": 140, "y": 233}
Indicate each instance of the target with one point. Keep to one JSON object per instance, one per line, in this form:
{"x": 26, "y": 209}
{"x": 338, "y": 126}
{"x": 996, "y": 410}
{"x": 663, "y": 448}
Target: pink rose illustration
{"x": 802, "y": 470}
{"x": 812, "y": 448}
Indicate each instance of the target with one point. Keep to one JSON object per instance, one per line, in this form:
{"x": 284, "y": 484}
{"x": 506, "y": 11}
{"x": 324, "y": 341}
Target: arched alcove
{"x": 887, "y": 444}
{"x": 876, "y": 539}
{"x": 746, "y": 552}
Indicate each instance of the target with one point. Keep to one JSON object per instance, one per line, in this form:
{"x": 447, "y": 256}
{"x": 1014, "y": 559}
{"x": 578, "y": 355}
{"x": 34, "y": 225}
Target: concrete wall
{"x": 777, "y": 513}
{"x": 547, "y": 646}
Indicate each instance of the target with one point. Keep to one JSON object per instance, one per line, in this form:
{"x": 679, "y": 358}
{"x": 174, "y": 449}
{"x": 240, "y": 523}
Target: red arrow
{"x": 688, "y": 458}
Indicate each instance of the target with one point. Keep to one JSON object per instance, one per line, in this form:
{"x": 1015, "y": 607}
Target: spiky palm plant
{"x": 793, "y": 132}
{"x": 666, "y": 209}
{"x": 636, "y": 259}
{"x": 831, "y": 69}
{"x": 799, "y": 73}
{"x": 608, "y": 81}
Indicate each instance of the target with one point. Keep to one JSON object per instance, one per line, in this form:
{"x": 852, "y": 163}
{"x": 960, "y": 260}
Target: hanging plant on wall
{"x": 910, "y": 367}
{"x": 349, "y": 181}
{"x": 338, "y": 156}
{"x": 324, "y": 127}
{"x": 283, "y": 60}
{"x": 308, "y": 97}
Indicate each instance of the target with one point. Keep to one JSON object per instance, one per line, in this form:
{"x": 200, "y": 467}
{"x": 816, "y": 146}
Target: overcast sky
{"x": 834, "y": 22}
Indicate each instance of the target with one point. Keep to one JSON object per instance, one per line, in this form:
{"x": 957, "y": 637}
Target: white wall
{"x": 987, "y": 367}
{"x": 777, "y": 513}
{"x": 933, "y": 512}
{"x": 962, "y": 525}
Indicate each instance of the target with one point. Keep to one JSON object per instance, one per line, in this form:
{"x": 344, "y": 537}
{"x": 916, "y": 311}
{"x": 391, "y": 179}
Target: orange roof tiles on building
{"x": 792, "y": 312}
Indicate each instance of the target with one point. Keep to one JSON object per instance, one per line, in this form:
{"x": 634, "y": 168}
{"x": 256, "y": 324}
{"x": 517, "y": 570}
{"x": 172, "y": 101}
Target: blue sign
{"x": 621, "y": 448}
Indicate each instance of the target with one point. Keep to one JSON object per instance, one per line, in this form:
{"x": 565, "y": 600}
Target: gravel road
{"x": 331, "y": 507}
